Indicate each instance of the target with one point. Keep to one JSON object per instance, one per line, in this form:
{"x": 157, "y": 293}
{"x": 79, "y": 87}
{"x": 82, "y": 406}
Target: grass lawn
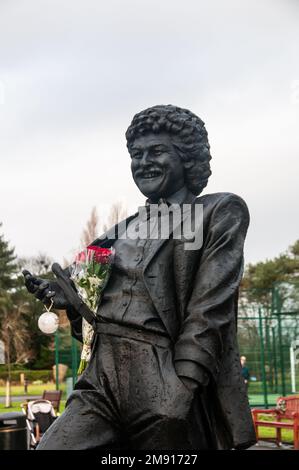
{"x": 258, "y": 400}
{"x": 286, "y": 434}
{"x": 16, "y": 406}
{"x": 31, "y": 389}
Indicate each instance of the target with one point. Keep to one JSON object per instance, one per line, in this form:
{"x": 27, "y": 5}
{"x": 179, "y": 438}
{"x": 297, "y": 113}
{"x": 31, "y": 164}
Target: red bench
{"x": 284, "y": 416}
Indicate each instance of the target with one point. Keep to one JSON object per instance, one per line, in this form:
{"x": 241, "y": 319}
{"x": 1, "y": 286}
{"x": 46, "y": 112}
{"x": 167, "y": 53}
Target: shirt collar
{"x": 182, "y": 196}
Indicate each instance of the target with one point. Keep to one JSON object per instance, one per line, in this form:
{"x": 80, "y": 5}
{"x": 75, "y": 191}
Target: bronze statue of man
{"x": 165, "y": 368}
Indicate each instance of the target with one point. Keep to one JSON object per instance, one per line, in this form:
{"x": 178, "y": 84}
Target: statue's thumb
{"x": 63, "y": 281}
{"x": 57, "y": 270}
{"x": 26, "y": 273}
{"x": 71, "y": 295}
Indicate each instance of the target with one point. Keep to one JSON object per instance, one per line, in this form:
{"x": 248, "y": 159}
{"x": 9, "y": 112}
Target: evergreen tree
{"x": 13, "y": 307}
{"x": 8, "y": 266}
{"x": 8, "y": 281}
{"x": 281, "y": 272}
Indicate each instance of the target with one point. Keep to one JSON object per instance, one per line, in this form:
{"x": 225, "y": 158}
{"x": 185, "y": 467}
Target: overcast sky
{"x": 73, "y": 73}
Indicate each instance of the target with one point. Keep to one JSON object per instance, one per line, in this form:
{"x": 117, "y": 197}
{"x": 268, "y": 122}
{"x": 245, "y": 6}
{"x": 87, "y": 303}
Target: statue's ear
{"x": 189, "y": 164}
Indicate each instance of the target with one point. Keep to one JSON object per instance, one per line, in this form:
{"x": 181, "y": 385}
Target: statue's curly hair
{"x": 191, "y": 139}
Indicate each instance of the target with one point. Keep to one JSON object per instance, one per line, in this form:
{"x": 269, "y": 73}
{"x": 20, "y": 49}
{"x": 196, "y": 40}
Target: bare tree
{"x": 15, "y": 336}
{"x": 39, "y": 265}
{"x": 90, "y": 232}
{"x": 117, "y": 213}
{"x": 14, "y": 330}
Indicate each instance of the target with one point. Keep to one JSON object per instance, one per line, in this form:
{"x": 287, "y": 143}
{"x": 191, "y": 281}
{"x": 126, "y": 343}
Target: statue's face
{"x": 157, "y": 168}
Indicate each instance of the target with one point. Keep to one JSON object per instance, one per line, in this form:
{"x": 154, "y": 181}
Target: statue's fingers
{"x": 43, "y": 285}
{"x": 31, "y": 282}
{"x": 30, "y": 286}
{"x": 28, "y": 278}
{"x": 26, "y": 274}
{"x": 50, "y": 294}
{"x": 48, "y": 297}
{"x": 40, "y": 291}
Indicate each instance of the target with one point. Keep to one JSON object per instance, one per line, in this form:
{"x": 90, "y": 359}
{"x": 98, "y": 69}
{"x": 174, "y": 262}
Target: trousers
{"x": 130, "y": 397}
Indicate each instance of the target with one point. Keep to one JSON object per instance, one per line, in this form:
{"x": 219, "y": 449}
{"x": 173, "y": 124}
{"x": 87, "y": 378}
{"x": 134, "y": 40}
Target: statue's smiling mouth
{"x": 150, "y": 174}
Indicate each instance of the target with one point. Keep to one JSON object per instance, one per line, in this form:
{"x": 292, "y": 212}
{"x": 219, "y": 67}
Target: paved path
{"x": 21, "y": 398}
{"x": 263, "y": 445}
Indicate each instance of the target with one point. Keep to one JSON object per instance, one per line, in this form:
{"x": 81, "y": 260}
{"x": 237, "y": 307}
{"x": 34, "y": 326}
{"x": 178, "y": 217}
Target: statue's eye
{"x": 135, "y": 155}
{"x": 157, "y": 152}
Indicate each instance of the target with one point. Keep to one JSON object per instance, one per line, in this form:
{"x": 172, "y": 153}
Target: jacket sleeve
{"x": 212, "y": 304}
{"x": 76, "y": 323}
{"x": 74, "y": 318}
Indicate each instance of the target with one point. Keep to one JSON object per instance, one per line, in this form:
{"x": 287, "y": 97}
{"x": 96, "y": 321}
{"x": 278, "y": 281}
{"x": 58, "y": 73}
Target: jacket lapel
{"x": 178, "y": 221}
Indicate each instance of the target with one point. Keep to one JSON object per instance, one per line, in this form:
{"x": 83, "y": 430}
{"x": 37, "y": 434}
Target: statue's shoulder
{"x": 216, "y": 199}
{"x": 223, "y": 205}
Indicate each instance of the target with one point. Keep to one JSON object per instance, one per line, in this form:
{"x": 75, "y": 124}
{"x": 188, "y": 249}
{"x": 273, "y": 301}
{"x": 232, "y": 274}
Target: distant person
{"x": 245, "y": 371}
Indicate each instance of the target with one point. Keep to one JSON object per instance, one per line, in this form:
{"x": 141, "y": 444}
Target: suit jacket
{"x": 195, "y": 293}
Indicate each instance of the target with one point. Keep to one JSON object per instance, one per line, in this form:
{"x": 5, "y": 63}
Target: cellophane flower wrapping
{"x": 90, "y": 273}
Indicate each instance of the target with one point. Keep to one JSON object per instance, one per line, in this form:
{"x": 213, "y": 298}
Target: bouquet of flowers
{"x": 90, "y": 273}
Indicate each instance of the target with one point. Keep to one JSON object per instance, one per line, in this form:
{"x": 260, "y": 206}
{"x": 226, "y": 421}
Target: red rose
{"x": 101, "y": 255}
{"x": 81, "y": 257}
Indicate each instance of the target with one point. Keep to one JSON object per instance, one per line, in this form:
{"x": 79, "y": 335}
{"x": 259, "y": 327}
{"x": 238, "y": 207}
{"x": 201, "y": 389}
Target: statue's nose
{"x": 145, "y": 158}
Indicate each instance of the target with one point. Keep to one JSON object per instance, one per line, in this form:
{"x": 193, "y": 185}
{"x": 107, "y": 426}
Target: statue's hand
{"x": 45, "y": 291}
